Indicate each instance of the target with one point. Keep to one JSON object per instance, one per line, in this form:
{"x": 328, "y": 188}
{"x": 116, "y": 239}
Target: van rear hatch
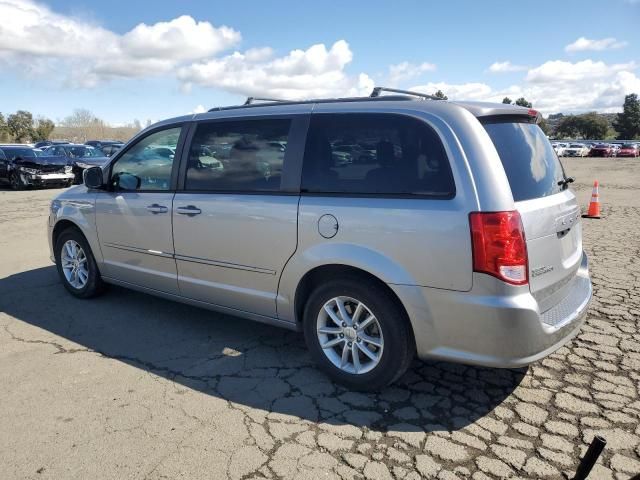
{"x": 549, "y": 211}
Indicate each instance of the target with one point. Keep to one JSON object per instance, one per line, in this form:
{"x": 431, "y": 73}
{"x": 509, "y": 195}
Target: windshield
{"x": 84, "y": 152}
{"x": 19, "y": 152}
{"x": 576, "y": 145}
{"x": 531, "y": 165}
{"x": 628, "y": 145}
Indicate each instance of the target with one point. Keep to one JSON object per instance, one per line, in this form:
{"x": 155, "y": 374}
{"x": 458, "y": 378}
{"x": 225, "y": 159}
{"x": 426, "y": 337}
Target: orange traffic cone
{"x": 594, "y": 204}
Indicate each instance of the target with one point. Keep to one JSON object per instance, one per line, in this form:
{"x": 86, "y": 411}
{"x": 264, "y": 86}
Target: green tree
{"x": 507, "y": 100}
{"x": 588, "y": 125}
{"x": 43, "y": 129}
{"x": 4, "y": 132}
{"x": 440, "y": 94}
{"x": 627, "y": 123}
{"x": 567, "y": 127}
{"x": 592, "y": 125}
{"x": 545, "y": 127}
{"x": 523, "y": 102}
{"x": 20, "y": 125}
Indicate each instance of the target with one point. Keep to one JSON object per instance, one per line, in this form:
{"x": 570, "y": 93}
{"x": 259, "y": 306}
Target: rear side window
{"x": 375, "y": 154}
{"x": 531, "y": 164}
{"x": 238, "y": 156}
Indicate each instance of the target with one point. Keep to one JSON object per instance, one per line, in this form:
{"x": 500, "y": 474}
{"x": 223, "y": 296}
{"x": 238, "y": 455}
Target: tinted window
{"x": 238, "y": 156}
{"x": 531, "y": 165}
{"x": 13, "y": 153}
{"x": 150, "y": 159}
{"x": 374, "y": 154}
{"x": 84, "y": 152}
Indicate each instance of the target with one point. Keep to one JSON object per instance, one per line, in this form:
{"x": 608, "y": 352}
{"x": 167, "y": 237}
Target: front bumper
{"x": 494, "y": 328}
{"x": 43, "y": 179}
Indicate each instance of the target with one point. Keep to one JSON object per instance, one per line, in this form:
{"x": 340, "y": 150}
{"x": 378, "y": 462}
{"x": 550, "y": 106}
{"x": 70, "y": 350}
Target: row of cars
{"x": 563, "y": 149}
{"x": 51, "y": 163}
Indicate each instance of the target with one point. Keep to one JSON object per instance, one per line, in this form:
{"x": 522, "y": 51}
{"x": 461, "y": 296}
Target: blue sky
{"x": 124, "y": 60}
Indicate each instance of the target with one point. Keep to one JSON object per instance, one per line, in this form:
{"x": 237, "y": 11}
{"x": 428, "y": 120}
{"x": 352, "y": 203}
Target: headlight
{"x": 83, "y": 165}
{"x": 68, "y": 169}
{"x": 30, "y": 171}
{"x": 55, "y": 206}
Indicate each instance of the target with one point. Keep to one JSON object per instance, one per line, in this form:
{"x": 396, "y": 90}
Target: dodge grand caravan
{"x": 382, "y": 227}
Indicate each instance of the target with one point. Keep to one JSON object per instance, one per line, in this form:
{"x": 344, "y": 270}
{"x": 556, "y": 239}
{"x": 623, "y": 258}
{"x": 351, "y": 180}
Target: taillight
{"x": 499, "y": 247}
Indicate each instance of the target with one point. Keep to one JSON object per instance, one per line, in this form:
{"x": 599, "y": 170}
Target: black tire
{"x": 94, "y": 285}
{"x": 399, "y": 344}
{"x": 15, "y": 181}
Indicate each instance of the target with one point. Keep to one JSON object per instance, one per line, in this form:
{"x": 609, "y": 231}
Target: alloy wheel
{"x": 74, "y": 264}
{"x": 350, "y": 335}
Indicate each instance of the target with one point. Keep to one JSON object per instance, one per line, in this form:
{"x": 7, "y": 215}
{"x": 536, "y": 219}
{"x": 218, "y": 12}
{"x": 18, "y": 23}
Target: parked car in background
{"x": 80, "y": 156}
{"x": 109, "y": 147}
{"x": 22, "y": 166}
{"x": 576, "y": 150}
{"x": 46, "y": 143}
{"x": 629, "y": 150}
{"x": 615, "y": 148}
{"x": 601, "y": 150}
{"x": 560, "y": 148}
{"x": 459, "y": 238}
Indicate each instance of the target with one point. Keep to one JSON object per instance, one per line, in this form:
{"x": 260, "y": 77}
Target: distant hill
{"x": 554, "y": 119}
{"x": 101, "y": 132}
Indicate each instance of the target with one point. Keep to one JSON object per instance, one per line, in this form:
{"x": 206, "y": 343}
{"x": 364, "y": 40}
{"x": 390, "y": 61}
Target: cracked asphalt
{"x": 131, "y": 386}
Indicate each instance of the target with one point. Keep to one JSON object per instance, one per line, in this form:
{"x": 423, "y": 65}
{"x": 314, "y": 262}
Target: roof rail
{"x": 249, "y": 103}
{"x": 251, "y": 100}
{"x": 377, "y": 90}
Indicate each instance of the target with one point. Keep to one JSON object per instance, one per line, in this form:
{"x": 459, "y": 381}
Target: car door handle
{"x": 189, "y": 210}
{"x": 155, "y": 208}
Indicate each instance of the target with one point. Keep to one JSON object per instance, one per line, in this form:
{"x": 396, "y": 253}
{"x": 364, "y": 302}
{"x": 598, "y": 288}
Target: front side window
{"x": 147, "y": 165}
{"x": 375, "y": 154}
{"x": 240, "y": 156}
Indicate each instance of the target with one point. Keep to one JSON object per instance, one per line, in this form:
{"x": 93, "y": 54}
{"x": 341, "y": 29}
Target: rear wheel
{"x": 76, "y": 265}
{"x": 358, "y": 334}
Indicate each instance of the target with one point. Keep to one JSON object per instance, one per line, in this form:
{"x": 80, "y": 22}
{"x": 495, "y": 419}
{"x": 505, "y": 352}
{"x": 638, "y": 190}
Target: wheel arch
{"x": 322, "y": 273}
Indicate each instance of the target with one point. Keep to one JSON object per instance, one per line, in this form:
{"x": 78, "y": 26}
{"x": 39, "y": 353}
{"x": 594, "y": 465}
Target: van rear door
{"x": 549, "y": 211}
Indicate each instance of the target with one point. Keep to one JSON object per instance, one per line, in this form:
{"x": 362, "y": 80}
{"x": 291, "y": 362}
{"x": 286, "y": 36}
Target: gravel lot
{"x": 130, "y": 386}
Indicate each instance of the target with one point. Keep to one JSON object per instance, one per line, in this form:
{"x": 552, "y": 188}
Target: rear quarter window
{"x": 532, "y": 166}
{"x": 375, "y": 154}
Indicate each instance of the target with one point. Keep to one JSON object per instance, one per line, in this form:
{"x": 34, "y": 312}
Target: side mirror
{"x": 92, "y": 177}
{"x": 126, "y": 181}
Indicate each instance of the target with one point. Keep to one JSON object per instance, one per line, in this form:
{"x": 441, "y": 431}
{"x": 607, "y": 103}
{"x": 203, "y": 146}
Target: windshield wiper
{"x": 565, "y": 183}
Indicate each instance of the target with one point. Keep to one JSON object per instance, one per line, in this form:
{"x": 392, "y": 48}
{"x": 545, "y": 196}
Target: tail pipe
{"x": 590, "y": 458}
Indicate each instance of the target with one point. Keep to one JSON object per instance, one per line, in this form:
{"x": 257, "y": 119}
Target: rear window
{"x": 531, "y": 165}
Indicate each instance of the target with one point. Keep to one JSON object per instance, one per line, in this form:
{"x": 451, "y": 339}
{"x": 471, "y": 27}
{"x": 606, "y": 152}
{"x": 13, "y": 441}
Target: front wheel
{"x": 16, "y": 181}
{"x": 358, "y": 334}
{"x": 76, "y": 265}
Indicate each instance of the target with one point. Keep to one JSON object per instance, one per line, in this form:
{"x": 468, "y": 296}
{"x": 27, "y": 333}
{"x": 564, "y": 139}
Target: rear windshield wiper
{"x": 565, "y": 183}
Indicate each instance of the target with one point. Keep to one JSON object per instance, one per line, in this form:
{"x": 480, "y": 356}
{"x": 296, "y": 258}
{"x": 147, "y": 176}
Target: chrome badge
{"x": 536, "y": 272}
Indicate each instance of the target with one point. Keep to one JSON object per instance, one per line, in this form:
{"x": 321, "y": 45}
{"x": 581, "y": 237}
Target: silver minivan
{"x": 382, "y": 227}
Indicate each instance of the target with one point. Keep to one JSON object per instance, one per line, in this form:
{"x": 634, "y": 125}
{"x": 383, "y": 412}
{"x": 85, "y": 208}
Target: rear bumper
{"x": 494, "y": 324}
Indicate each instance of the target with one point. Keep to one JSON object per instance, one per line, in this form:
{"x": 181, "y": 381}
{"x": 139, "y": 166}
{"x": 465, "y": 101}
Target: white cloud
{"x": 199, "y": 109}
{"x": 557, "y": 86}
{"x": 504, "y": 67}
{"x": 90, "y": 53}
{"x": 315, "y": 72}
{"x": 584, "y": 44}
{"x": 558, "y": 71}
{"x": 405, "y": 71}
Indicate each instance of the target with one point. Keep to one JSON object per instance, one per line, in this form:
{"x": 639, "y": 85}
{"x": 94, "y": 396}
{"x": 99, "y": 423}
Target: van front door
{"x": 134, "y": 216}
